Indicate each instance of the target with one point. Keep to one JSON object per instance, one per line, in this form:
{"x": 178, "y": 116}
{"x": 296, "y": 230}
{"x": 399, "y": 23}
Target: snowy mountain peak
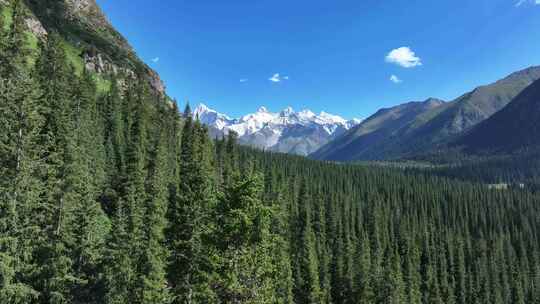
{"x": 306, "y": 114}
{"x": 331, "y": 119}
{"x": 287, "y": 112}
{"x": 211, "y": 117}
{"x": 202, "y": 108}
{"x": 287, "y": 131}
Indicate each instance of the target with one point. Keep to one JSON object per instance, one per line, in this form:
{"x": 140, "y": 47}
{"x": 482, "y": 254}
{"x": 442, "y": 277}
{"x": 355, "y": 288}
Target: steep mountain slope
{"x": 90, "y": 40}
{"x": 287, "y": 131}
{"x": 428, "y": 129}
{"x": 515, "y": 127}
{"x": 375, "y": 131}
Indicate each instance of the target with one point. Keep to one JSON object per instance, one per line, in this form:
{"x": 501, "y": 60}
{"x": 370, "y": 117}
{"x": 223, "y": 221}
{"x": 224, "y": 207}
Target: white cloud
{"x": 155, "y": 60}
{"x": 244, "y": 80}
{"x": 404, "y": 57}
{"x": 278, "y": 78}
{"x": 395, "y": 79}
{"x": 521, "y": 2}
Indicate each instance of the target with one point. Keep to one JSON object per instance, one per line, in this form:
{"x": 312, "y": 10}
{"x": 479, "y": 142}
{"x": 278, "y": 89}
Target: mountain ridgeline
{"x": 414, "y": 129}
{"x": 300, "y": 133}
{"x": 109, "y": 195}
{"x": 514, "y": 128}
{"x": 374, "y": 134}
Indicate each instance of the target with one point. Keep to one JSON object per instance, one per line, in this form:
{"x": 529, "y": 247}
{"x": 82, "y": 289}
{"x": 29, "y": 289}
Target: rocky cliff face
{"x": 85, "y": 27}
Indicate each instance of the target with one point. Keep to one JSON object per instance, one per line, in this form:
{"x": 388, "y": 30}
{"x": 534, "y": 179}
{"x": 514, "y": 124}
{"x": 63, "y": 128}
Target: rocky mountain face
{"x": 516, "y": 127}
{"x": 90, "y": 38}
{"x": 412, "y": 129}
{"x": 288, "y": 131}
{"x": 376, "y": 131}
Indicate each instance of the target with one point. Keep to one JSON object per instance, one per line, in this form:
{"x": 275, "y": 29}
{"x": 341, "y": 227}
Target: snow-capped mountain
{"x": 287, "y": 131}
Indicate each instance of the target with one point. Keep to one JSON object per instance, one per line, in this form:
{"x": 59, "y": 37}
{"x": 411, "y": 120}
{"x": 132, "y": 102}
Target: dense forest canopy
{"x": 114, "y": 196}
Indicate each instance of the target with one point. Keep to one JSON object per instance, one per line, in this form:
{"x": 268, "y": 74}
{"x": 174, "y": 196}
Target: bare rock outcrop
{"x": 36, "y": 27}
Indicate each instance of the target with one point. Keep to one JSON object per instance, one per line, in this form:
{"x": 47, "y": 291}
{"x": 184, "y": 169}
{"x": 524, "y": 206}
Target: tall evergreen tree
{"x": 153, "y": 284}
{"x": 84, "y": 179}
{"x": 188, "y": 218}
{"x": 363, "y": 288}
{"x": 393, "y": 285}
{"x": 306, "y": 275}
{"x": 119, "y": 270}
{"x": 55, "y": 274}
{"x": 20, "y": 188}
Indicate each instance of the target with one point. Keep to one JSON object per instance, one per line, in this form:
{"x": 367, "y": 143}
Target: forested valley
{"x": 116, "y": 196}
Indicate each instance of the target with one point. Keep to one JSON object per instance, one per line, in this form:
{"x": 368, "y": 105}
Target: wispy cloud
{"x": 395, "y": 79}
{"x": 278, "y": 78}
{"x": 522, "y": 2}
{"x": 155, "y": 60}
{"x": 404, "y": 57}
{"x": 244, "y": 80}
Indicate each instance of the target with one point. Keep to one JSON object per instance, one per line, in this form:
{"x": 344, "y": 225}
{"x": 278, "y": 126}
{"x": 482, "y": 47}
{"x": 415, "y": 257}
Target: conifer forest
{"x": 109, "y": 193}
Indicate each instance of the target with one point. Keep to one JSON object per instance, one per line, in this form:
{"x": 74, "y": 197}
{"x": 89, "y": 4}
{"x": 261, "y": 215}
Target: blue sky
{"x": 333, "y": 55}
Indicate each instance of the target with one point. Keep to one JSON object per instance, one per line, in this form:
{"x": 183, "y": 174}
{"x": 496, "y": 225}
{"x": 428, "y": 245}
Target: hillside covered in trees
{"x": 108, "y": 194}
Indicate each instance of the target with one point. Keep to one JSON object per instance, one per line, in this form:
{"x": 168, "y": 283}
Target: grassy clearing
{"x": 32, "y": 43}
{"x": 73, "y": 55}
{"x": 6, "y": 17}
{"x": 103, "y": 85}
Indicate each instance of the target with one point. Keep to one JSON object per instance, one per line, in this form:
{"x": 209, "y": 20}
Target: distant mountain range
{"x": 516, "y": 127}
{"x": 300, "y": 133}
{"x": 421, "y": 127}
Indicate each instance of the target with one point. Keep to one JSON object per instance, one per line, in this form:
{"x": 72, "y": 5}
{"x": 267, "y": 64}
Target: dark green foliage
{"x": 417, "y": 238}
{"x": 19, "y": 159}
{"x": 188, "y": 217}
{"x": 306, "y": 270}
{"x": 117, "y": 198}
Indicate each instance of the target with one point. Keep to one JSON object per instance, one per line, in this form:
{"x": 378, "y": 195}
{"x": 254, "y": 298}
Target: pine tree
{"x": 119, "y": 271}
{"x": 306, "y": 275}
{"x": 413, "y": 278}
{"x": 188, "y": 218}
{"x": 245, "y": 243}
{"x": 281, "y": 254}
{"x": 393, "y": 286}
{"x": 19, "y": 158}
{"x": 114, "y": 141}
{"x": 152, "y": 287}
{"x": 363, "y": 290}
{"x": 460, "y": 273}
{"x": 518, "y": 296}
{"x": 431, "y": 288}
{"x": 55, "y": 274}
{"x": 85, "y": 175}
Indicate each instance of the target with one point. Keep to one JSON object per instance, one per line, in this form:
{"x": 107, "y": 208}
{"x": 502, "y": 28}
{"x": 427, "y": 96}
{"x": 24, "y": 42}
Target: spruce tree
{"x": 84, "y": 179}
{"x": 119, "y": 270}
{"x": 363, "y": 288}
{"x": 152, "y": 287}
{"x": 20, "y": 188}
{"x": 393, "y": 286}
{"x": 245, "y": 244}
{"x": 188, "y": 219}
{"x": 306, "y": 275}
{"x": 55, "y": 277}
